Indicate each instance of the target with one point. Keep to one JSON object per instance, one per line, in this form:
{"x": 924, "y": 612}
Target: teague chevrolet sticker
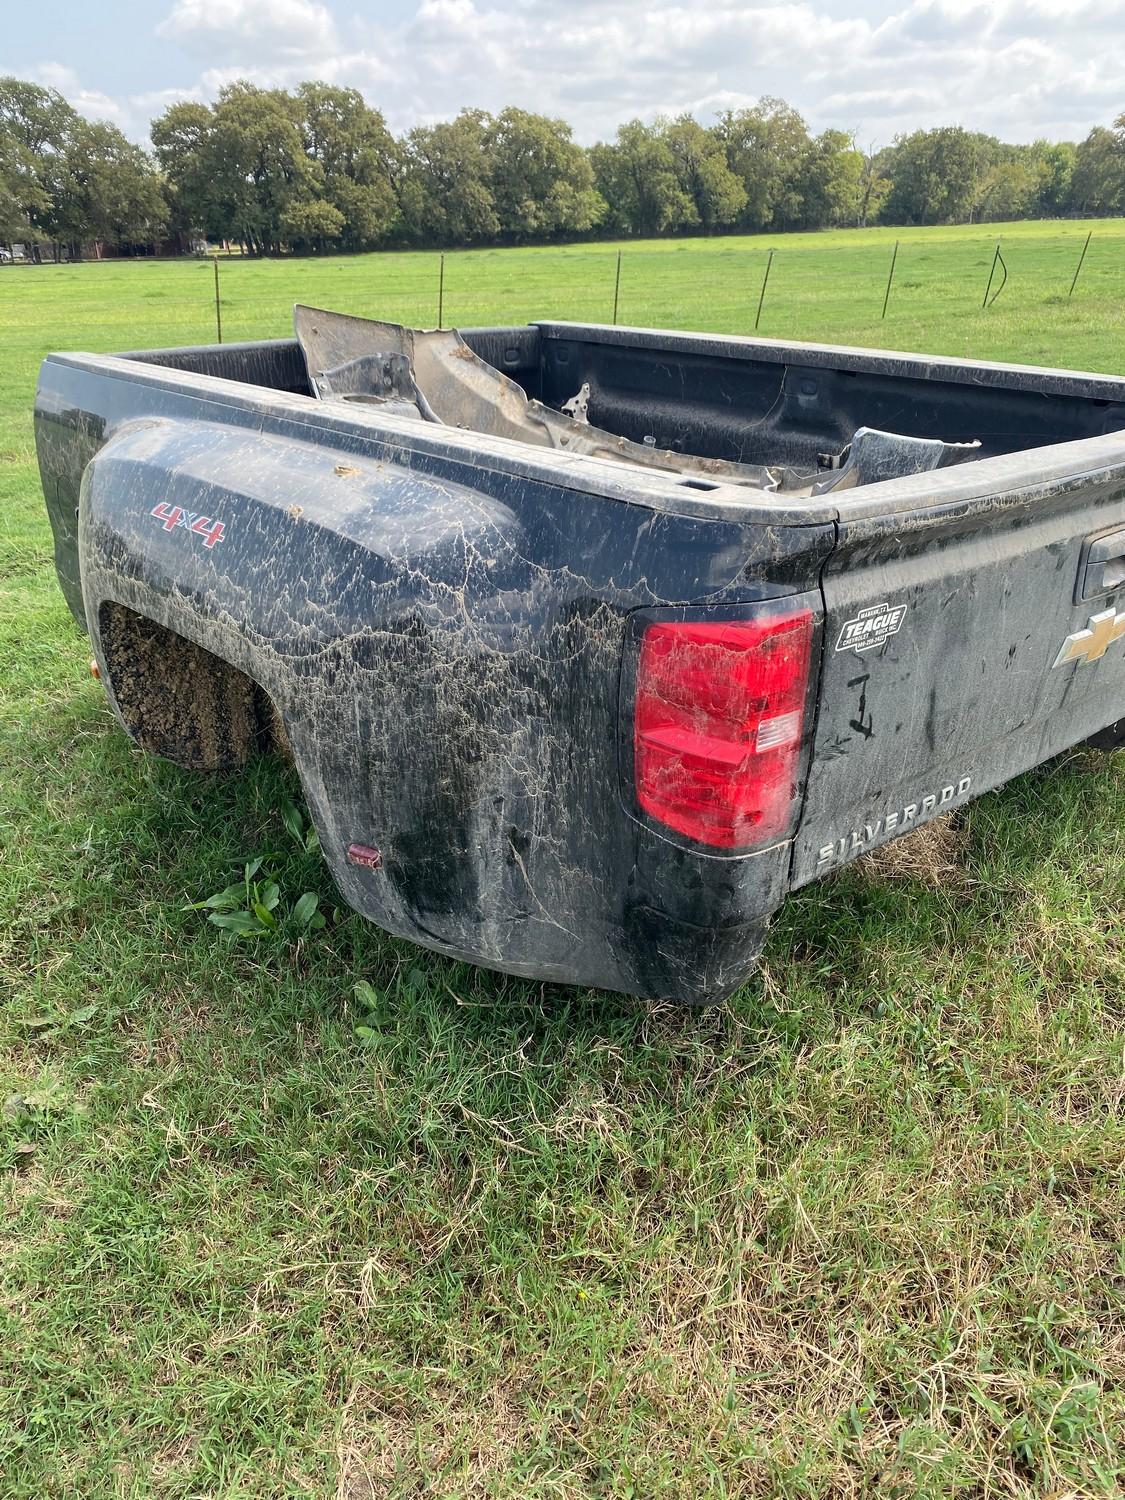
{"x": 871, "y": 627}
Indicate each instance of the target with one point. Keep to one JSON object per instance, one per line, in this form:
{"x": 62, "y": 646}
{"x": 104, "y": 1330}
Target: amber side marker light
{"x": 717, "y": 725}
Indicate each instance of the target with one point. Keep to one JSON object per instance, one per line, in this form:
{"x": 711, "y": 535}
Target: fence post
{"x": 218, "y": 307}
{"x": 890, "y": 278}
{"x": 616, "y": 288}
{"x": 997, "y": 259}
{"x": 441, "y": 290}
{"x": 765, "y": 283}
{"x": 1081, "y": 258}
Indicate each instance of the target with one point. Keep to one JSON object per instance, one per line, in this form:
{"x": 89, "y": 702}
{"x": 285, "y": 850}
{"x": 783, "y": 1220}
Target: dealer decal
{"x": 172, "y": 516}
{"x": 872, "y": 627}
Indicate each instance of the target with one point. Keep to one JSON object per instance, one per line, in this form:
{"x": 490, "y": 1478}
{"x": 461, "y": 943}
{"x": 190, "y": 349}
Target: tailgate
{"x": 971, "y": 631}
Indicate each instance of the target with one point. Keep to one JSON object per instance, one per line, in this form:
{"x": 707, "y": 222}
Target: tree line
{"x": 316, "y": 168}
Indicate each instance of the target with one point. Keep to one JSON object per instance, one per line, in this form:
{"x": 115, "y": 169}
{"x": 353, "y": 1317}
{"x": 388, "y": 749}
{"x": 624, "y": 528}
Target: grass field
{"x": 858, "y": 1233}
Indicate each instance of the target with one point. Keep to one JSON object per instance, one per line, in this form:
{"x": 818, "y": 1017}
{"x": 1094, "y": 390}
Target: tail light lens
{"x": 717, "y": 725}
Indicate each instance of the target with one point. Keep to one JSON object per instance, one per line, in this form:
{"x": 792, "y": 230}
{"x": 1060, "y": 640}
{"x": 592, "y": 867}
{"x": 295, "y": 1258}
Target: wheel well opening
{"x": 182, "y": 702}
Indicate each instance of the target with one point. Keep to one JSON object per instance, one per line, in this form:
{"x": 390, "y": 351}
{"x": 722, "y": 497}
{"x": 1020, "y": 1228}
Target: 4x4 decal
{"x": 202, "y": 526}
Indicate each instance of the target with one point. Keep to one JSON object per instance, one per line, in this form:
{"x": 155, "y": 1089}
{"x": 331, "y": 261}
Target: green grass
{"x": 858, "y": 1232}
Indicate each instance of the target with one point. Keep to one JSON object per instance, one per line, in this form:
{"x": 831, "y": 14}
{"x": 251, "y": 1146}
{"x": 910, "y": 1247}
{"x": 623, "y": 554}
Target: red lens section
{"x": 717, "y": 725}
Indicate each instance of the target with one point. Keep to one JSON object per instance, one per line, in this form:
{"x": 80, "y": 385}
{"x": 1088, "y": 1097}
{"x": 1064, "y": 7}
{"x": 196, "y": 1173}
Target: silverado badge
{"x": 1092, "y": 643}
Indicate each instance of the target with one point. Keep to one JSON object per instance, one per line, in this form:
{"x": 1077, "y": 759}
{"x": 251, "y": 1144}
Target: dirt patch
{"x": 180, "y": 701}
{"x": 394, "y": 1451}
{"x": 933, "y": 855}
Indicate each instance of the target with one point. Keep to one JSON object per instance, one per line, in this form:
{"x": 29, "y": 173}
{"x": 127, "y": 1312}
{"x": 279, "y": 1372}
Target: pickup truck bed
{"x": 578, "y": 718}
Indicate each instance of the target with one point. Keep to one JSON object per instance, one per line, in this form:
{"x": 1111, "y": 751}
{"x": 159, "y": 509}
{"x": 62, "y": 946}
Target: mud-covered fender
{"x": 446, "y": 663}
{"x": 357, "y": 594}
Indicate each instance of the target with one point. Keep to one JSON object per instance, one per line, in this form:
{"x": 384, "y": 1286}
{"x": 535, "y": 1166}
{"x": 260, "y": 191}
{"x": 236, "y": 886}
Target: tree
{"x": 830, "y": 181}
{"x": 38, "y": 118}
{"x": 542, "y": 183}
{"x": 766, "y": 149}
{"x": 311, "y": 223}
{"x": 316, "y": 167}
{"x": 257, "y": 167}
{"x": 357, "y": 156}
{"x": 444, "y": 193}
{"x": 872, "y": 189}
{"x": 638, "y": 178}
{"x": 104, "y": 190}
{"x": 181, "y": 138}
{"x": 272, "y": 168}
{"x": 1008, "y": 190}
{"x": 935, "y": 175}
{"x": 1098, "y": 182}
{"x": 35, "y": 124}
{"x": 23, "y": 199}
{"x": 699, "y": 161}
{"x": 1054, "y": 166}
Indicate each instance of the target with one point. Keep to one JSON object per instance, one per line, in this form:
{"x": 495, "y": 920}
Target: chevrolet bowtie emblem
{"x": 1092, "y": 643}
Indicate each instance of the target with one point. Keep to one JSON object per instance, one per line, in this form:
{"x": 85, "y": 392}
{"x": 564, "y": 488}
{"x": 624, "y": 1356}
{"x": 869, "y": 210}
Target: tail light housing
{"x": 717, "y": 725}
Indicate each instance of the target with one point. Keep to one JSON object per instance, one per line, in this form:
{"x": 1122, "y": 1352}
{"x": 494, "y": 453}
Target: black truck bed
{"x": 749, "y": 400}
{"x": 566, "y": 716}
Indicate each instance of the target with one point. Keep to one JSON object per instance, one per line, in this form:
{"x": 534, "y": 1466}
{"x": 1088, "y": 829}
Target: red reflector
{"x": 366, "y": 855}
{"x": 717, "y": 725}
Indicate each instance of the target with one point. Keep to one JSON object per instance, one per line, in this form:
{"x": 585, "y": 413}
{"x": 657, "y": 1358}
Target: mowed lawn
{"x": 858, "y": 1233}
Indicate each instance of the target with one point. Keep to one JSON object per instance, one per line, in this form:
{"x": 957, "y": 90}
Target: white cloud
{"x": 262, "y": 30}
{"x": 88, "y": 102}
{"x": 1017, "y": 68}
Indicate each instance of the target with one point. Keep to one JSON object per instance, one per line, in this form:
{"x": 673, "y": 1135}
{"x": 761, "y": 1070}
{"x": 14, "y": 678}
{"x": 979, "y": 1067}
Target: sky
{"x": 1018, "y": 69}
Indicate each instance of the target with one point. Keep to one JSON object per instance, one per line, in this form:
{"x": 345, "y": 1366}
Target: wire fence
{"x": 846, "y": 287}
{"x": 926, "y": 276}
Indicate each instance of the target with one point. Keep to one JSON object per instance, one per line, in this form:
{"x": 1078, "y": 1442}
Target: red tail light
{"x": 717, "y": 726}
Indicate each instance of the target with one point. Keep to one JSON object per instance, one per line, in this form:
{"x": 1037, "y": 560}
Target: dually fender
{"x": 445, "y": 662}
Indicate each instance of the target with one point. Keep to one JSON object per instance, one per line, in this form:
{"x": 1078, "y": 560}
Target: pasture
{"x": 326, "y": 1215}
